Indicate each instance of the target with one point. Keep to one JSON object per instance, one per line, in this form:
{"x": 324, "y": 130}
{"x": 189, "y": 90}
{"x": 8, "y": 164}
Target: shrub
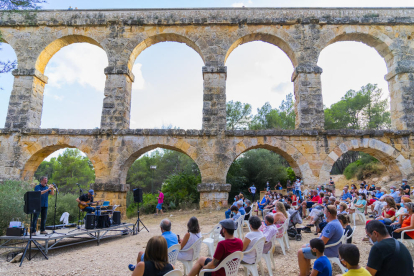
{"x": 181, "y": 190}
{"x": 65, "y": 203}
{"x": 12, "y": 203}
{"x": 147, "y": 207}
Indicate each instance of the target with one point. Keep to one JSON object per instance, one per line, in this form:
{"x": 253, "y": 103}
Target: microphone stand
{"x": 54, "y": 216}
{"x": 79, "y": 211}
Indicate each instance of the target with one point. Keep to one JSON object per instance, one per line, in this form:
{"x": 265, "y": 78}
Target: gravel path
{"x": 113, "y": 255}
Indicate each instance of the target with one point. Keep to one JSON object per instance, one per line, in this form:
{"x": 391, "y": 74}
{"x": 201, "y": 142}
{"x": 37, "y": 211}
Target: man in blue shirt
{"x": 45, "y": 190}
{"x": 346, "y": 194}
{"x": 241, "y": 208}
{"x": 169, "y": 236}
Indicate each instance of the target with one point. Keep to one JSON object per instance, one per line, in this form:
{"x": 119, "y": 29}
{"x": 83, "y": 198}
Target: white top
{"x": 363, "y": 191}
{"x": 187, "y": 256}
{"x": 253, "y": 237}
{"x": 253, "y": 189}
{"x": 297, "y": 185}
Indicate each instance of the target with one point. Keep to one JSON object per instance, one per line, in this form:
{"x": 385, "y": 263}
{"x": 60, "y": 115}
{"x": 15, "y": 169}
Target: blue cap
{"x": 91, "y": 191}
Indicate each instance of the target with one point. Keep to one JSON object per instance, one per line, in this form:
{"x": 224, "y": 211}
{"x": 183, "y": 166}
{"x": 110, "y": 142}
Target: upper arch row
{"x": 214, "y": 44}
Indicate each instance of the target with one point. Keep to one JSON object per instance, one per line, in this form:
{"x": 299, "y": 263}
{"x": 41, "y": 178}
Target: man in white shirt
{"x": 252, "y": 190}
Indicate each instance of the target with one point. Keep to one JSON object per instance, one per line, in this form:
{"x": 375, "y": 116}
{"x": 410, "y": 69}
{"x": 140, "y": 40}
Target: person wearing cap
{"x": 405, "y": 187}
{"x": 87, "y": 200}
{"x": 224, "y": 248}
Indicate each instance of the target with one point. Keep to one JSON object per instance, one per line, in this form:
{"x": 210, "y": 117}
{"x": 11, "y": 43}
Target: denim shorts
{"x": 159, "y": 206}
{"x": 308, "y": 253}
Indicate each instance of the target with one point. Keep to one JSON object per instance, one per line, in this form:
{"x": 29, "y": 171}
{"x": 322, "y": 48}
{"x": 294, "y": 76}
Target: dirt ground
{"x": 113, "y": 255}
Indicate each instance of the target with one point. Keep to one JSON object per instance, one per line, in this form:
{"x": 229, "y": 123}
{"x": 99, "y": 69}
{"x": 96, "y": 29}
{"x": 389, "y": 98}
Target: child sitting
{"x": 322, "y": 265}
{"x": 349, "y": 257}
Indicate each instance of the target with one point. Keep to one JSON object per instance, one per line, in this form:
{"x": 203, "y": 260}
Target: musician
{"x": 83, "y": 199}
{"x": 45, "y": 191}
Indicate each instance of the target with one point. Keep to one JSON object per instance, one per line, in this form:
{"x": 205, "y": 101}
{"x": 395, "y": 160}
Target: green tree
{"x": 71, "y": 168}
{"x": 238, "y": 115}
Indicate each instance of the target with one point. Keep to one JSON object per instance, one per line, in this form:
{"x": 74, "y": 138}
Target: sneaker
{"x": 34, "y": 234}
{"x": 371, "y": 216}
{"x": 43, "y": 233}
{"x": 131, "y": 267}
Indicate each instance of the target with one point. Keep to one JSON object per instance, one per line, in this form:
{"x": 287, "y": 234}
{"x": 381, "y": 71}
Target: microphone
{"x": 77, "y": 184}
{"x": 56, "y": 187}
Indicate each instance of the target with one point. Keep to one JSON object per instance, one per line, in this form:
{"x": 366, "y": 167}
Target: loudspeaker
{"x": 103, "y": 221}
{"x": 90, "y": 221}
{"x": 32, "y": 202}
{"x": 138, "y": 195}
{"x": 116, "y": 218}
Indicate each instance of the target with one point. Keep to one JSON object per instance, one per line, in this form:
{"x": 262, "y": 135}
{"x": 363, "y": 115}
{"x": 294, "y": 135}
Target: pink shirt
{"x": 161, "y": 198}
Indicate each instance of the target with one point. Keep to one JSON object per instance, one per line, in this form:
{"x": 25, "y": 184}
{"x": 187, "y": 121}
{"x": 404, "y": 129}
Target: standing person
{"x": 405, "y": 187}
{"x": 332, "y": 185}
{"x": 160, "y": 202}
{"x": 388, "y": 256}
{"x": 45, "y": 191}
{"x": 252, "y": 190}
{"x": 267, "y": 186}
{"x": 278, "y": 186}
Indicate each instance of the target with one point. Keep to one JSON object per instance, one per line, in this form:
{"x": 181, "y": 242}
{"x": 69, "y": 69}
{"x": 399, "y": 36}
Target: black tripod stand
{"x": 136, "y": 225}
{"x": 29, "y": 246}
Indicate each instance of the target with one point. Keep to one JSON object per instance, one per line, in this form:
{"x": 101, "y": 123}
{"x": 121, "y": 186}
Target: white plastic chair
{"x": 409, "y": 241}
{"x": 196, "y": 247}
{"x": 361, "y": 216}
{"x": 285, "y": 234}
{"x": 345, "y": 238}
{"x": 213, "y": 239}
{"x": 281, "y": 237}
{"x": 336, "y": 259}
{"x": 239, "y": 230}
{"x": 246, "y": 222}
{"x": 230, "y": 264}
{"x": 252, "y": 268}
{"x": 175, "y": 272}
{"x": 269, "y": 259}
{"x": 173, "y": 253}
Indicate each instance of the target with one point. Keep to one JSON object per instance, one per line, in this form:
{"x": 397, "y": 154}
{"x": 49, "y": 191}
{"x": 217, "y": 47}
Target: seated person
{"x": 407, "y": 223}
{"x": 279, "y": 214}
{"x": 388, "y": 211}
{"x": 331, "y": 233}
{"x": 250, "y": 240}
{"x": 293, "y": 198}
{"x": 156, "y": 258}
{"x": 170, "y": 237}
{"x": 349, "y": 257}
{"x": 342, "y": 207}
{"x": 379, "y": 204}
{"x": 344, "y": 220}
{"x": 224, "y": 248}
{"x": 362, "y": 189}
{"x": 265, "y": 201}
{"x": 322, "y": 265}
{"x": 269, "y": 231}
{"x": 308, "y": 204}
{"x": 317, "y": 210}
{"x": 241, "y": 208}
{"x": 228, "y": 212}
{"x": 247, "y": 209}
{"x": 192, "y": 235}
{"x": 346, "y": 194}
{"x": 361, "y": 202}
{"x": 83, "y": 199}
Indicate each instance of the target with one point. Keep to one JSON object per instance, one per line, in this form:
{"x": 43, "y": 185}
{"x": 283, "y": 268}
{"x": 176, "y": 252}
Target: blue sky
{"x": 168, "y": 86}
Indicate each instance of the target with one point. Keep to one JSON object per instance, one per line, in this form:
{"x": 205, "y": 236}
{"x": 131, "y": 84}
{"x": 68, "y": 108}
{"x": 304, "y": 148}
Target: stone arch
{"x": 163, "y": 37}
{"x": 53, "y": 47}
{"x": 33, "y": 153}
{"x": 135, "y": 151}
{"x": 293, "y": 156}
{"x": 273, "y": 39}
{"x": 366, "y": 35}
{"x": 395, "y": 162}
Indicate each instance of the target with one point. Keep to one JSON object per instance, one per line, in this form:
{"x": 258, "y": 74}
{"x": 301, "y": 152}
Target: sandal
{"x": 365, "y": 239}
{"x": 310, "y": 225}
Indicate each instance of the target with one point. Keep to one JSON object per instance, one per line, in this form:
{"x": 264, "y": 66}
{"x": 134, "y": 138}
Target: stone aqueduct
{"x": 213, "y": 33}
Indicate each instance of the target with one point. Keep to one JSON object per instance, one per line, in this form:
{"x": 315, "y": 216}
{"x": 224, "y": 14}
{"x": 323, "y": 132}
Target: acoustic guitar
{"x": 88, "y": 203}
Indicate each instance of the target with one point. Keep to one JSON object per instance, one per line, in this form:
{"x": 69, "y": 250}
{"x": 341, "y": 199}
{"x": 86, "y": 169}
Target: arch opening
{"x": 166, "y": 37}
{"x": 265, "y": 70}
{"x": 75, "y": 88}
{"x": 166, "y": 168}
{"x": 6, "y": 78}
{"x": 173, "y": 96}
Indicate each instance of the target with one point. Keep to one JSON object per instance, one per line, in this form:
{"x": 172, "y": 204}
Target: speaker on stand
{"x": 116, "y": 218}
{"x": 32, "y": 204}
{"x": 138, "y": 199}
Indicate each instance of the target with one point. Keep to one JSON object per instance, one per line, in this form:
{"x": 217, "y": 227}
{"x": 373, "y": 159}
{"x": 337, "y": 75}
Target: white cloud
{"x": 139, "y": 82}
{"x": 240, "y": 4}
{"x": 78, "y": 63}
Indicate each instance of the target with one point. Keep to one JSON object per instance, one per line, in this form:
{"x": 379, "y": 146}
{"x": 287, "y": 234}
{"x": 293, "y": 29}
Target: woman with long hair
{"x": 192, "y": 235}
{"x": 155, "y": 259}
{"x": 407, "y": 223}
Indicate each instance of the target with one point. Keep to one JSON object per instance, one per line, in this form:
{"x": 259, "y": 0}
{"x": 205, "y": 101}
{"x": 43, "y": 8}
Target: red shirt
{"x": 225, "y": 248}
{"x": 315, "y": 198}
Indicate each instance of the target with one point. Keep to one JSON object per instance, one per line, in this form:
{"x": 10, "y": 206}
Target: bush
{"x": 363, "y": 168}
{"x": 181, "y": 190}
{"x": 147, "y": 207}
{"x": 65, "y": 203}
{"x": 12, "y": 203}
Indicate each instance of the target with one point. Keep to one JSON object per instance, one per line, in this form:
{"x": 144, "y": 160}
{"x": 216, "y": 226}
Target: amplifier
{"x": 103, "y": 221}
{"x": 15, "y": 231}
{"x": 90, "y": 221}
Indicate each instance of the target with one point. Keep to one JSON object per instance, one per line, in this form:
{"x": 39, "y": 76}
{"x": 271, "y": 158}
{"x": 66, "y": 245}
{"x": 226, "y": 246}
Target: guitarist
{"x": 85, "y": 201}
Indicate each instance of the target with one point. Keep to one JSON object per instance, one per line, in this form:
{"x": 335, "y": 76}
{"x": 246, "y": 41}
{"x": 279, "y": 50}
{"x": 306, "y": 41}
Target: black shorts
{"x": 205, "y": 263}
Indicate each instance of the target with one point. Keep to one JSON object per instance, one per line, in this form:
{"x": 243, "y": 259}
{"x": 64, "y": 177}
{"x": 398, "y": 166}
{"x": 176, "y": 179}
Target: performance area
{"x": 112, "y": 256}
